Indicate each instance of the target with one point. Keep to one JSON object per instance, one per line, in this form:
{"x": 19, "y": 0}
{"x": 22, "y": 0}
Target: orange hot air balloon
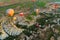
{"x": 10, "y": 12}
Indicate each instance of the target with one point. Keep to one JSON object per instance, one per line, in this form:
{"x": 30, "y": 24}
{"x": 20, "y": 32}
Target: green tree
{"x": 41, "y": 21}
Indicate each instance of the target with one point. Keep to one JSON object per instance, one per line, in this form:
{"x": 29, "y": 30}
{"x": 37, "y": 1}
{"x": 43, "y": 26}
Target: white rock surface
{"x": 11, "y": 29}
{"x": 3, "y": 35}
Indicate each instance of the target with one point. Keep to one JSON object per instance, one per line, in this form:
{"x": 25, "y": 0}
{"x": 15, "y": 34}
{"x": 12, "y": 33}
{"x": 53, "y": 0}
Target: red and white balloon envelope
{"x": 21, "y": 14}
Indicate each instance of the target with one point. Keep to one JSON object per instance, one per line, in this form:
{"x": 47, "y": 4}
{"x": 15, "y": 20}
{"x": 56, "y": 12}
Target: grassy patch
{"x": 29, "y": 17}
{"x": 5, "y": 0}
{"x": 34, "y": 13}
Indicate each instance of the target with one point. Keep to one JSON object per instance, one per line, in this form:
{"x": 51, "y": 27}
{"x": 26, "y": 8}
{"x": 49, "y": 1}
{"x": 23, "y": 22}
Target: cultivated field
{"x": 9, "y": 2}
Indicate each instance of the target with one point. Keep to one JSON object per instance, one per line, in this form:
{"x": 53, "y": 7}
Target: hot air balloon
{"x": 10, "y": 12}
{"x": 21, "y": 14}
{"x": 55, "y": 6}
{"x": 14, "y": 18}
{"x": 37, "y": 11}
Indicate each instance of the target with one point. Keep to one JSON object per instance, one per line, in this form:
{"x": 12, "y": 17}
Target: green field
{"x": 26, "y": 5}
{"x": 5, "y": 0}
{"x": 14, "y": 0}
{"x": 27, "y": 0}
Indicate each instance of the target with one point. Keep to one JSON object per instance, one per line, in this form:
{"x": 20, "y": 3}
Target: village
{"x": 32, "y": 20}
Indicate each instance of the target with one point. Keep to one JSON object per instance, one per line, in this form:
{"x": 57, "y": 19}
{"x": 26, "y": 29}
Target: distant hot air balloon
{"x": 37, "y": 11}
{"x": 55, "y": 6}
{"x": 14, "y": 18}
{"x": 10, "y": 12}
{"x": 21, "y": 14}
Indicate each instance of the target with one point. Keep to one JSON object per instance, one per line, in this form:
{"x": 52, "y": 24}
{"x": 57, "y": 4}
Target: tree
{"x": 41, "y": 21}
